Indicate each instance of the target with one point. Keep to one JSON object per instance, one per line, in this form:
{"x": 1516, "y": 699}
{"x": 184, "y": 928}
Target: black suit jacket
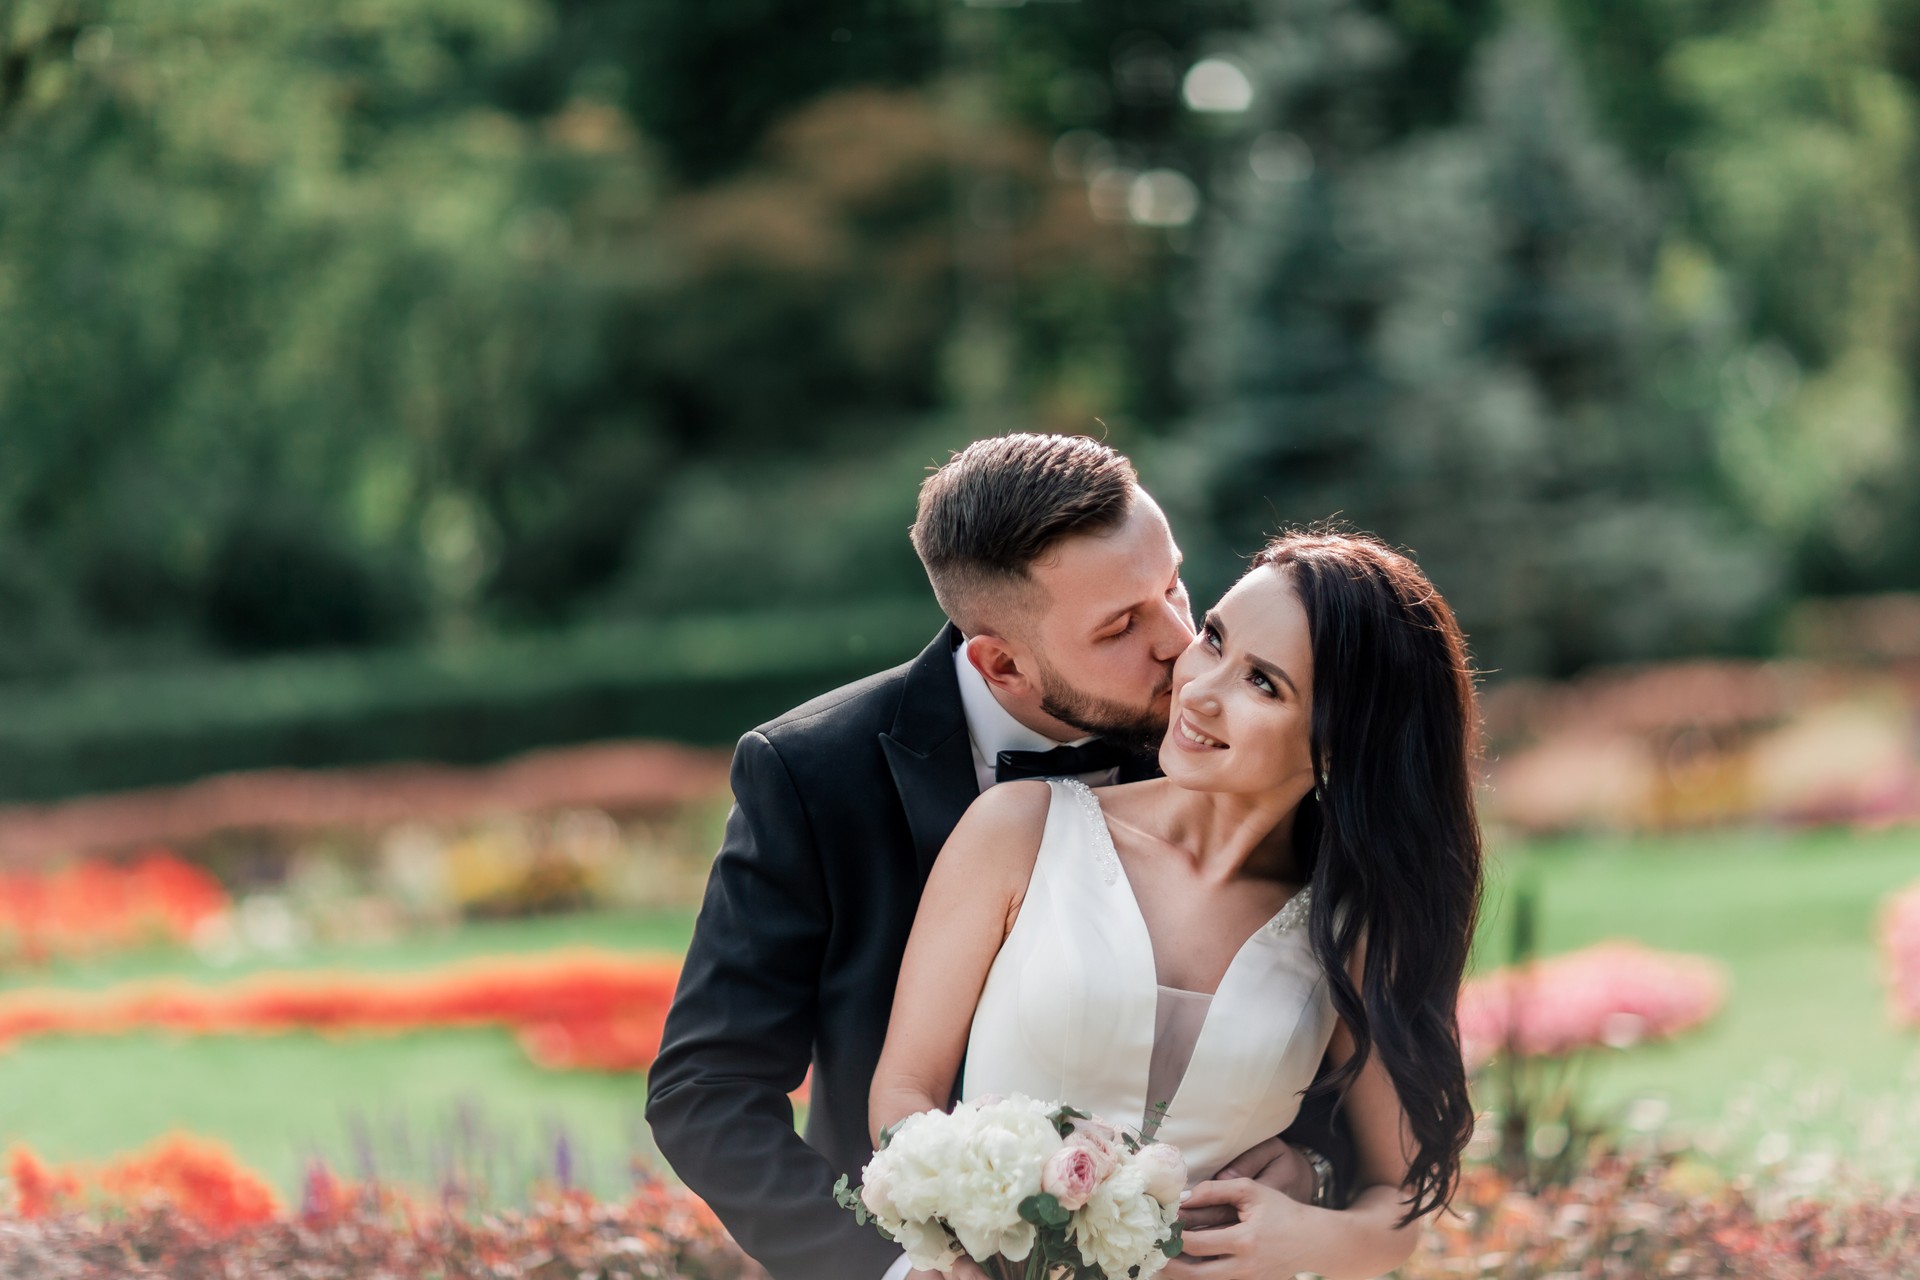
{"x": 839, "y": 809}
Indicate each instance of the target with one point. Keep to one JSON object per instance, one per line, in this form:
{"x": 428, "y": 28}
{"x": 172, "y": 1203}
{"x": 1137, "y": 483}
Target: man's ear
{"x": 999, "y": 665}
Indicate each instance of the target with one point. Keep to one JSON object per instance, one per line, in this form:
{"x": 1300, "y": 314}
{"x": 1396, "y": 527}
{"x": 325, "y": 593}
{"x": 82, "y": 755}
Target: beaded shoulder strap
{"x": 1104, "y": 855}
{"x": 1293, "y": 914}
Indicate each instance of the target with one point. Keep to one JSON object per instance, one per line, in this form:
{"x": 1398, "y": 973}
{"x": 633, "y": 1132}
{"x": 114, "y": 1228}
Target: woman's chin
{"x": 1195, "y": 769}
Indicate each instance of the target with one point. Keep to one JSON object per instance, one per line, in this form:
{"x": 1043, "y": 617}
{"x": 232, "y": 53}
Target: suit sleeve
{"x": 739, "y": 1037}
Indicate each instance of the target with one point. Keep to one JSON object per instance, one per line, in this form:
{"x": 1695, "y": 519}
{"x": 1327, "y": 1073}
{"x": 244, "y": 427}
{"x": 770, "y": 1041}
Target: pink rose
{"x": 1166, "y": 1171}
{"x": 1102, "y": 1140}
{"x": 1070, "y": 1176}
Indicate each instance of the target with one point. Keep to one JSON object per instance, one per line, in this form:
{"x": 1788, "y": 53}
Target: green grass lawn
{"x": 1805, "y": 1033}
{"x": 1805, "y": 1040}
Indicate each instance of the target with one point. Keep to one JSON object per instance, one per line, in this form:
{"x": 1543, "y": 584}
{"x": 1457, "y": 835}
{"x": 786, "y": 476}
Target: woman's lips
{"x": 1194, "y": 740}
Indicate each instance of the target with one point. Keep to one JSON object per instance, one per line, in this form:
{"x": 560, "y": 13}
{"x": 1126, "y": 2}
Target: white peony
{"x": 1121, "y": 1226}
{"x": 1008, "y": 1144}
{"x": 923, "y": 1150}
{"x": 1166, "y": 1172}
{"x": 875, "y": 1181}
{"x": 927, "y": 1245}
{"x": 968, "y": 1170}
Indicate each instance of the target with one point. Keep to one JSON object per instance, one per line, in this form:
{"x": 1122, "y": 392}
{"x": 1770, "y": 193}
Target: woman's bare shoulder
{"x": 1009, "y": 809}
{"x": 995, "y": 845}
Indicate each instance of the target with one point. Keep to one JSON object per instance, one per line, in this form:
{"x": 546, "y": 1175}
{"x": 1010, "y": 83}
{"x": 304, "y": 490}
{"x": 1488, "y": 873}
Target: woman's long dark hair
{"x": 1389, "y": 840}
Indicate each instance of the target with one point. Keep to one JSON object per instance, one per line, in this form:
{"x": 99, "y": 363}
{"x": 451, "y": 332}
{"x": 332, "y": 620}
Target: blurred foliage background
{"x": 393, "y": 379}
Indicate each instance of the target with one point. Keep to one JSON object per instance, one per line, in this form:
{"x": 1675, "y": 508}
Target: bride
{"x": 1180, "y": 953}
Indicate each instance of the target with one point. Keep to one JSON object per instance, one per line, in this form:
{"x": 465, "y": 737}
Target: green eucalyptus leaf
{"x": 1063, "y": 1118}
{"x": 1042, "y": 1210}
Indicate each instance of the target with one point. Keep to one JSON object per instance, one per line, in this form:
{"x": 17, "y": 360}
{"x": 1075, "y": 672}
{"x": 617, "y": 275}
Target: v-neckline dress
{"x": 1073, "y": 1010}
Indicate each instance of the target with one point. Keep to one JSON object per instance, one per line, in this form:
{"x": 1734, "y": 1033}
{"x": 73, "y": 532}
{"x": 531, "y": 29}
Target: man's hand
{"x": 1272, "y": 1163}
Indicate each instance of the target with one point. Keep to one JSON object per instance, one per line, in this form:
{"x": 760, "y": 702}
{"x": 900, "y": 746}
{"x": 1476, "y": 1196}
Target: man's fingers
{"x": 1217, "y": 1242}
{"x": 1237, "y": 1192}
{"x": 1201, "y": 1268}
{"x": 1251, "y": 1162}
{"x": 1290, "y": 1175}
{"x": 1217, "y": 1216}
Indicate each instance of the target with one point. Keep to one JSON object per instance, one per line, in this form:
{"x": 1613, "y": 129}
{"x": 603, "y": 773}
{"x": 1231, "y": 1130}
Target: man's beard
{"x": 1138, "y": 729}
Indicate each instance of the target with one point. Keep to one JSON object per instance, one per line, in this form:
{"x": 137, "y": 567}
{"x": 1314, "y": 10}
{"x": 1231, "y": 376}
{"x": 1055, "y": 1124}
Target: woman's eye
{"x": 1263, "y": 684}
{"x": 1211, "y": 636}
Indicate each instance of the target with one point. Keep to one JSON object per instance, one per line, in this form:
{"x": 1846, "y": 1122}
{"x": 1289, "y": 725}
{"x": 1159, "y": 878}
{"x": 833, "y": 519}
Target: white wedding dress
{"x": 1073, "y": 1010}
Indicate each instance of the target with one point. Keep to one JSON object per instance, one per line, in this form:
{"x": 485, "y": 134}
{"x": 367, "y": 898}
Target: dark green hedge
{"x": 697, "y": 680}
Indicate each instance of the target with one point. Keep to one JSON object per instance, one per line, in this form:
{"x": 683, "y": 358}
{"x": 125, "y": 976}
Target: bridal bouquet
{"x": 1012, "y": 1180}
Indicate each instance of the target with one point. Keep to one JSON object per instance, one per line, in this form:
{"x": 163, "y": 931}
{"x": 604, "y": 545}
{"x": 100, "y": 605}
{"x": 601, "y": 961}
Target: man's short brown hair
{"x": 999, "y": 504}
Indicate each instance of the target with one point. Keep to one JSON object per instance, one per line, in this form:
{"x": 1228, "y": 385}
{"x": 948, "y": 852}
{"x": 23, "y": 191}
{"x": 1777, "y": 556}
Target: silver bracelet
{"x": 1322, "y": 1175}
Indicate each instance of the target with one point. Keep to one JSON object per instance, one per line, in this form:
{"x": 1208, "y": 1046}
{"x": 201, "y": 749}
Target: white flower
{"x": 1007, "y": 1145}
{"x": 928, "y": 1245}
{"x": 875, "y": 1180}
{"x": 1121, "y": 1226}
{"x": 969, "y": 1170}
{"x": 1166, "y": 1172}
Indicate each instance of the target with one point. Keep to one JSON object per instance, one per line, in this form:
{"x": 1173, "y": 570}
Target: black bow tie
{"x": 1061, "y": 762}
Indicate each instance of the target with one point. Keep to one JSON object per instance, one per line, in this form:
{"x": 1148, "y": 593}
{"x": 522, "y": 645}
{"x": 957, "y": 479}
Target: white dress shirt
{"x": 992, "y": 728}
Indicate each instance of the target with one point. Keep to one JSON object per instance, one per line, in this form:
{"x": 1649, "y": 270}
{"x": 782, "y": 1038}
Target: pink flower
{"x": 1900, "y": 939}
{"x": 1070, "y": 1175}
{"x": 1102, "y": 1140}
{"x": 1166, "y": 1171}
{"x": 1614, "y": 994}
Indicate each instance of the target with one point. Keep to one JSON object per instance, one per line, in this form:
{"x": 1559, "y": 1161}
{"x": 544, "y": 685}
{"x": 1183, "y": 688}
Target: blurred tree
{"x": 1803, "y": 178}
{"x": 413, "y": 273}
{"x": 1788, "y": 134}
{"x": 344, "y": 324}
{"x": 296, "y": 263}
{"x": 1454, "y": 336}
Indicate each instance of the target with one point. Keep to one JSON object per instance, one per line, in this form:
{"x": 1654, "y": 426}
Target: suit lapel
{"x": 929, "y": 752}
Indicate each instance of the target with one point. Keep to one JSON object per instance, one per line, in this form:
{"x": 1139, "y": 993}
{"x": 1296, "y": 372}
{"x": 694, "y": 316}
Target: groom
{"x": 1062, "y": 583}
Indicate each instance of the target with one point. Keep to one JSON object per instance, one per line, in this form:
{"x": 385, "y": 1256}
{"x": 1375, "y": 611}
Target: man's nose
{"x": 1174, "y": 631}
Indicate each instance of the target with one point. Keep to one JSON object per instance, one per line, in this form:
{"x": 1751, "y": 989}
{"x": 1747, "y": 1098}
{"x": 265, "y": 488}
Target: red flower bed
{"x": 1628, "y": 1221}
{"x": 580, "y": 1009}
{"x": 1613, "y": 994}
{"x": 1900, "y": 939}
{"x": 207, "y": 1223}
{"x": 619, "y": 1042}
{"x": 1618, "y": 1220}
{"x": 91, "y": 906}
{"x": 198, "y": 1179}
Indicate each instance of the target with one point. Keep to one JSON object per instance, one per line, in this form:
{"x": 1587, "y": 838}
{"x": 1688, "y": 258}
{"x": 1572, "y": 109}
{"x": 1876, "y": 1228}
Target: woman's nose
{"x": 1201, "y": 695}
